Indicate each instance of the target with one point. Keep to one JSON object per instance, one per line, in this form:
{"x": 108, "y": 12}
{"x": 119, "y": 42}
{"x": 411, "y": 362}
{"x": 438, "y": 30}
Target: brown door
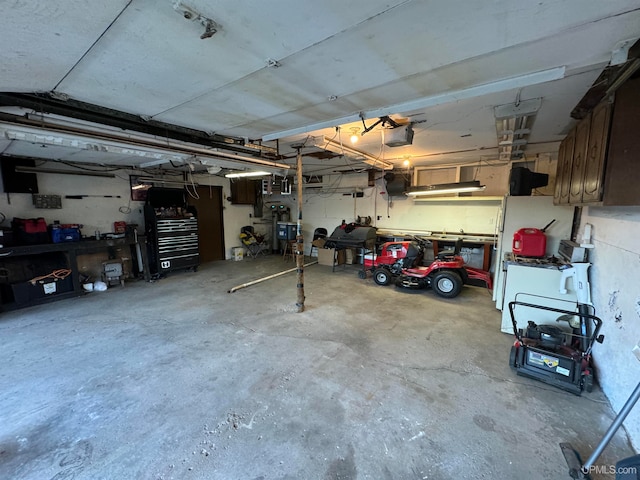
{"x": 210, "y": 225}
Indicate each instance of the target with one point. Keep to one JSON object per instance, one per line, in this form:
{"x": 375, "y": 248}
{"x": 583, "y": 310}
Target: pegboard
{"x": 47, "y": 201}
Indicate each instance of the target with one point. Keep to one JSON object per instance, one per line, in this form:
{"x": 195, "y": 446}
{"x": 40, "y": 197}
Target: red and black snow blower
{"x": 402, "y": 262}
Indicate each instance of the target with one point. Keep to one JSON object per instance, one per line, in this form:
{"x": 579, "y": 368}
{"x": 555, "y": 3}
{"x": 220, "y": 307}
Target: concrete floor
{"x": 179, "y": 379}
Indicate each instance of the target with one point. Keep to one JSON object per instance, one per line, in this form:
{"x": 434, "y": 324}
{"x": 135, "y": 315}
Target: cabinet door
{"x": 563, "y": 180}
{"x": 579, "y": 160}
{"x": 559, "y": 172}
{"x": 622, "y": 175}
{"x": 244, "y": 191}
{"x": 596, "y": 150}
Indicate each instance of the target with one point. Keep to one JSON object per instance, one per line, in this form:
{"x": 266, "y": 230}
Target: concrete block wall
{"x": 616, "y": 296}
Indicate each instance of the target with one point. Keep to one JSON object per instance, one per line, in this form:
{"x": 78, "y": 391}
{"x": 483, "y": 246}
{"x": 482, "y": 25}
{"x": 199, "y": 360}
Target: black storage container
{"x": 26, "y": 292}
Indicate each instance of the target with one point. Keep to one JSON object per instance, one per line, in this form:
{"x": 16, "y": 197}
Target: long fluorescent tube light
{"x": 43, "y": 137}
{"x": 246, "y": 174}
{"x": 442, "y": 188}
{"x": 21, "y": 169}
{"x": 158, "y": 151}
{"x": 167, "y": 181}
{"x": 431, "y": 101}
{"x": 337, "y": 147}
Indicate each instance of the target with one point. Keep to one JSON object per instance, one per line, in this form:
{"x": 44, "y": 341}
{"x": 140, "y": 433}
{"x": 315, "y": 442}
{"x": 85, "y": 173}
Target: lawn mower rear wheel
{"x": 447, "y": 283}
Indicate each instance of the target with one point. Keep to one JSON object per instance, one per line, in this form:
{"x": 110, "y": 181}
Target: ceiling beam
{"x": 48, "y": 103}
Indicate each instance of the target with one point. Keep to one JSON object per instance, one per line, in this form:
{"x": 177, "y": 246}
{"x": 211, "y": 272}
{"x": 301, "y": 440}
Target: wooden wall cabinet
{"x": 244, "y": 191}
{"x": 563, "y": 169}
{"x": 623, "y": 159}
{"x": 598, "y": 159}
{"x": 596, "y": 153}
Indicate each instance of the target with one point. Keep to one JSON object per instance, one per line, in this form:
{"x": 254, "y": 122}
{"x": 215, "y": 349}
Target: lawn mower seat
{"x": 444, "y": 254}
{"x": 413, "y": 256}
{"x": 254, "y": 244}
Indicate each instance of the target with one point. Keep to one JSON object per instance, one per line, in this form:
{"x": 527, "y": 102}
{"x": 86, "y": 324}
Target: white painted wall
{"x": 616, "y": 295}
{"x": 95, "y": 213}
{"x": 402, "y": 213}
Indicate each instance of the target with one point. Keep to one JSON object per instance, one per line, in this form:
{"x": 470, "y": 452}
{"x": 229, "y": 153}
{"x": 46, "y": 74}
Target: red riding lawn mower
{"x": 402, "y": 262}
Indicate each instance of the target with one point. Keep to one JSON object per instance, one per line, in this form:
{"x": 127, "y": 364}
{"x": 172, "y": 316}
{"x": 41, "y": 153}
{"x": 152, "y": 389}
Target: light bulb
{"x": 354, "y": 138}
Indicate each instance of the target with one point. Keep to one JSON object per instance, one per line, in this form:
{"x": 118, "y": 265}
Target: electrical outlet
{"x": 636, "y": 351}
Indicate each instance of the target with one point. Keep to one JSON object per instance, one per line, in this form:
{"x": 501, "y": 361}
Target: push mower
{"x": 558, "y": 356}
{"x": 402, "y": 262}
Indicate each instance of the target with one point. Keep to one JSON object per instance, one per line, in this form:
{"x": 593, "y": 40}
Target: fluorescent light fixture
{"x": 156, "y": 151}
{"x": 43, "y": 137}
{"x": 22, "y": 169}
{"x": 166, "y": 181}
{"x": 443, "y": 188}
{"x": 246, "y": 174}
{"x": 221, "y": 163}
{"x": 214, "y": 152}
{"x": 501, "y": 85}
{"x": 335, "y": 146}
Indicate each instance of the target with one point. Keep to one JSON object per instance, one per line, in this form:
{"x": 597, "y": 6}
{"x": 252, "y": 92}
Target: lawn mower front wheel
{"x": 382, "y": 276}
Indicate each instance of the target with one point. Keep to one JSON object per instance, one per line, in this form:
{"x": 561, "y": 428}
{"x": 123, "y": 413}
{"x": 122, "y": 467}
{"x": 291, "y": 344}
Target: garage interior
{"x": 409, "y": 119}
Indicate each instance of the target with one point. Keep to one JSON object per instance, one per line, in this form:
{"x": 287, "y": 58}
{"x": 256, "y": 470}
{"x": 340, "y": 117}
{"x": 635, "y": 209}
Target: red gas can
{"x": 530, "y": 242}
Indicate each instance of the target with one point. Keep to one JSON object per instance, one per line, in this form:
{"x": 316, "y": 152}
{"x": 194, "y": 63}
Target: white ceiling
{"x": 440, "y": 65}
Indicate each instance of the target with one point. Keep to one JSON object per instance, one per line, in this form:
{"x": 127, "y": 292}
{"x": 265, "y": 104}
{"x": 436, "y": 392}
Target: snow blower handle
{"x": 544, "y": 229}
{"x": 578, "y": 273}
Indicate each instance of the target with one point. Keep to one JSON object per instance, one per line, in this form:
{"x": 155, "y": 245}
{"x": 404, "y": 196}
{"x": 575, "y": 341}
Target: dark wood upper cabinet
{"x": 596, "y": 153}
{"x": 622, "y": 176}
{"x": 563, "y": 175}
{"x": 244, "y": 191}
{"x": 599, "y": 160}
{"x": 579, "y": 159}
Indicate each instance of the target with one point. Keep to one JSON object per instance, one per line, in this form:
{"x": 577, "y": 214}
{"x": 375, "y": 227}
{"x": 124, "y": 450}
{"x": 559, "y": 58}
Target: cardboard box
{"x": 349, "y": 256}
{"x": 319, "y": 242}
{"x": 90, "y": 264}
{"x": 326, "y": 256}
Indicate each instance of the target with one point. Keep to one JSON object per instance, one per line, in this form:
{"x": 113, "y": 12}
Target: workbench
{"x": 443, "y": 241}
{"x": 15, "y": 262}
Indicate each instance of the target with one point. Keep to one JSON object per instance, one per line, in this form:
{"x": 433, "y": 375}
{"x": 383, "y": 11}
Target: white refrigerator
{"x": 527, "y": 212}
